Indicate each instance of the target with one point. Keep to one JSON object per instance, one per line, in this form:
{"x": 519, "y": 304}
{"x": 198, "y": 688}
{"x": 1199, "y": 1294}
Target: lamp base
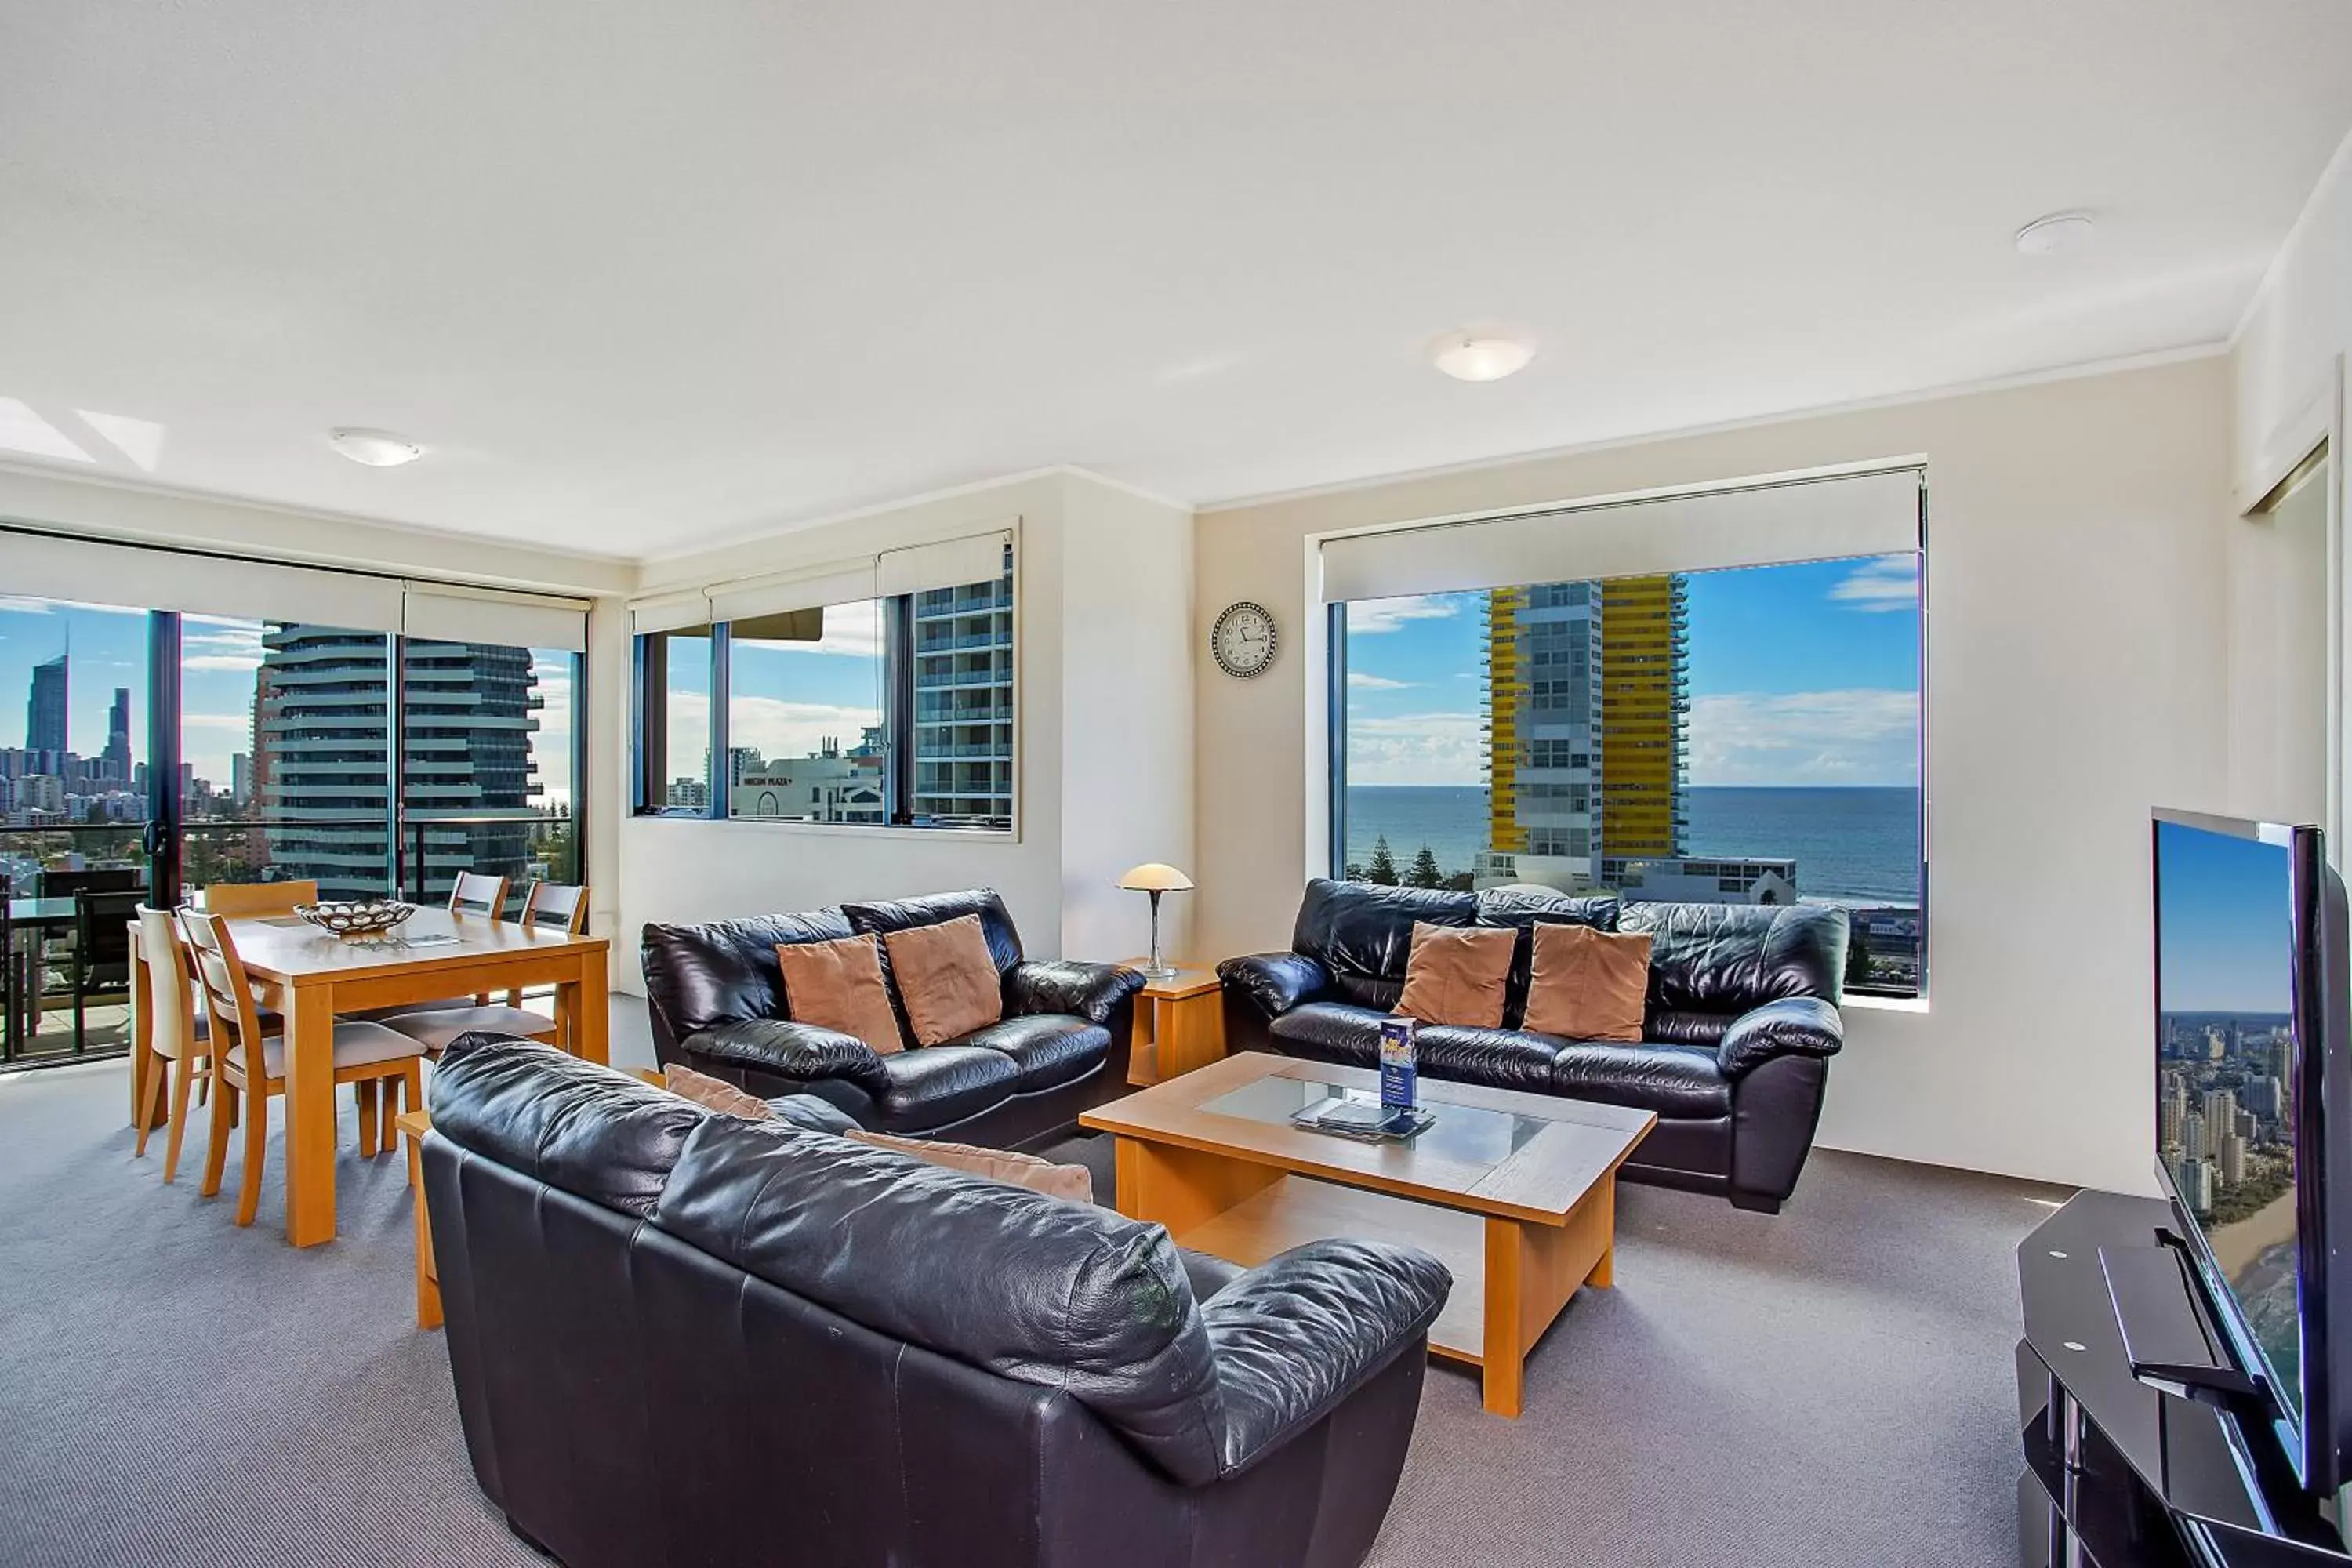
{"x": 1161, "y": 972}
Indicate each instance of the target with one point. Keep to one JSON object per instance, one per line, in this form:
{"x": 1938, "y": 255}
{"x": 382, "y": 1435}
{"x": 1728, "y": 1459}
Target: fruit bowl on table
{"x": 352, "y": 921}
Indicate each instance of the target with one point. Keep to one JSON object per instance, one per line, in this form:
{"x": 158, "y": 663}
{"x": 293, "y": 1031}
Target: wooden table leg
{"x": 311, "y": 1115}
{"x": 1531, "y": 1272}
{"x": 586, "y": 1010}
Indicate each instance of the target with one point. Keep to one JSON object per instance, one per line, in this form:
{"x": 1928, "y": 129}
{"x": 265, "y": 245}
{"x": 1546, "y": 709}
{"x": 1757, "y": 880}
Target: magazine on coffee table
{"x": 1366, "y": 1119}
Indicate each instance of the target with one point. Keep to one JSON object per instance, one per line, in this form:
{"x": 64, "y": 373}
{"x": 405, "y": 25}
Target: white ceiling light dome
{"x": 1468, "y": 356}
{"x": 2054, "y": 232}
{"x": 376, "y": 449}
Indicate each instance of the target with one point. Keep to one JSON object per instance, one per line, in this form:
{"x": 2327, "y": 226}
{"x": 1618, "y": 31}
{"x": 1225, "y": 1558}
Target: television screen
{"x": 2228, "y": 1076}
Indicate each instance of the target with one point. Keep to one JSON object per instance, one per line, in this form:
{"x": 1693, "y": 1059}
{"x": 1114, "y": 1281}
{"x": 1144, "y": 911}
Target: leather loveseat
{"x": 1739, "y": 1024}
{"x": 679, "y": 1338}
{"x": 716, "y": 997}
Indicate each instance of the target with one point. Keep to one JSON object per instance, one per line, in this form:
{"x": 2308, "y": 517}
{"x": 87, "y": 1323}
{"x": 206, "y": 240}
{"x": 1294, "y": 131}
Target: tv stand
{"x": 2118, "y": 1473}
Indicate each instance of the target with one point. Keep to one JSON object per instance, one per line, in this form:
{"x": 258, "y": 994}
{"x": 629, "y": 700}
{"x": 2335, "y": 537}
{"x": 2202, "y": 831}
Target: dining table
{"x": 307, "y": 975}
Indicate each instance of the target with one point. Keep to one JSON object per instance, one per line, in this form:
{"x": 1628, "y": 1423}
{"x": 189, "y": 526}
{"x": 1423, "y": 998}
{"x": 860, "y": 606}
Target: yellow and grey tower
{"x": 1645, "y": 704}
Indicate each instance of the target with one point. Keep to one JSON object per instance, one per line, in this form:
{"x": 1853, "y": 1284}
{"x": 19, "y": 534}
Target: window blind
{"x": 447, "y": 614}
{"x": 951, "y": 564}
{"x": 1804, "y": 519}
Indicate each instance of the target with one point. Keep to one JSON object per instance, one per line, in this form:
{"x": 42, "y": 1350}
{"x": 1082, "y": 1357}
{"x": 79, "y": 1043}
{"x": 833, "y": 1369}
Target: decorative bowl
{"x": 351, "y": 922}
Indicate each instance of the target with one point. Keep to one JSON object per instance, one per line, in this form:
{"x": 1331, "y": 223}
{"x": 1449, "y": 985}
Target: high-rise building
{"x": 1544, "y": 755}
{"x": 2193, "y": 1136}
{"x": 321, "y": 755}
{"x": 964, "y": 702}
{"x": 118, "y": 736}
{"x": 2233, "y": 1160}
{"x": 45, "y": 710}
{"x": 1644, "y": 700}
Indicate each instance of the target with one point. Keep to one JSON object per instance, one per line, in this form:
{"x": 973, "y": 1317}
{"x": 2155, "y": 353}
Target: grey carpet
{"x": 1829, "y": 1387}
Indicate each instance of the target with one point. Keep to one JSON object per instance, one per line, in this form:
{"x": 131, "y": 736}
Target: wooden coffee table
{"x": 1516, "y": 1193}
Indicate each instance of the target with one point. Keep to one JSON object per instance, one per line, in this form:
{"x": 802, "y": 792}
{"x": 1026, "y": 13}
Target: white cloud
{"x": 1371, "y": 618}
{"x": 1859, "y": 736}
{"x": 851, "y": 631}
{"x": 20, "y": 605}
{"x": 248, "y": 662}
{"x": 1364, "y": 681}
{"x": 778, "y": 728}
{"x": 1882, "y": 583}
{"x": 1416, "y": 749}
{"x": 239, "y": 721}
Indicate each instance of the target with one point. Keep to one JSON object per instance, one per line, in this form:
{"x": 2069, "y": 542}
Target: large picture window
{"x": 1751, "y": 735}
{"x": 895, "y": 709}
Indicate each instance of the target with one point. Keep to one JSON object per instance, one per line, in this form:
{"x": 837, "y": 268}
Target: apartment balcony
{"x": 933, "y": 680}
{"x": 966, "y": 716}
{"x": 989, "y": 639}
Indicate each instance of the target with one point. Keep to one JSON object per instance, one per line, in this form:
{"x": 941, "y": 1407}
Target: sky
{"x": 786, "y": 699}
{"x": 1803, "y": 674}
{"x": 2224, "y": 927}
{"x": 217, "y": 660}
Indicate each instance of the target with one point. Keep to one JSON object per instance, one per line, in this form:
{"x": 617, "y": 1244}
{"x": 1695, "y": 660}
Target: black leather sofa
{"x": 679, "y": 1338}
{"x": 1741, "y": 1021}
{"x": 716, "y": 999}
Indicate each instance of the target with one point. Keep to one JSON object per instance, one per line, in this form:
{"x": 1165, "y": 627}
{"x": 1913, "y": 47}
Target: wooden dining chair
{"x": 244, "y": 901}
{"x": 547, "y": 906}
{"x": 177, "y": 1045}
{"x": 479, "y": 893}
{"x": 252, "y": 1062}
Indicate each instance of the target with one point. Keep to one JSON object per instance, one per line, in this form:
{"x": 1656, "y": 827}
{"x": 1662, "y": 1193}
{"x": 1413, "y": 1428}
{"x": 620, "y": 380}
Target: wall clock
{"x": 1242, "y": 642}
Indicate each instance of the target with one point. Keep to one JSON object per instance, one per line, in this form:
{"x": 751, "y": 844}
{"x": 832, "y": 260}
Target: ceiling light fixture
{"x": 1467, "y": 358}
{"x": 2054, "y": 232}
{"x": 376, "y": 449}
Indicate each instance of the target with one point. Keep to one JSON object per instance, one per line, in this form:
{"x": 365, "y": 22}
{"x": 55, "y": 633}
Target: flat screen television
{"x": 2252, "y": 1085}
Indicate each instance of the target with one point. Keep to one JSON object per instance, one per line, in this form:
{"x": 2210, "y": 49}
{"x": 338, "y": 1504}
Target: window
{"x": 805, "y": 731}
{"x": 894, "y": 710}
{"x": 1746, "y": 734}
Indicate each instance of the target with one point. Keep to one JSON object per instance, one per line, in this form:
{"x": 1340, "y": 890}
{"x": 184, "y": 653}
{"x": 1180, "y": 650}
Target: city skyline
{"x": 220, "y": 657}
{"x": 1800, "y": 674}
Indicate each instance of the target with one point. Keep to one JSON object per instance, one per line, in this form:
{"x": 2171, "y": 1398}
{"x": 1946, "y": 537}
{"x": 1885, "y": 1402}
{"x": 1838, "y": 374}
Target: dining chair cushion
{"x": 357, "y": 1043}
{"x": 437, "y": 1028}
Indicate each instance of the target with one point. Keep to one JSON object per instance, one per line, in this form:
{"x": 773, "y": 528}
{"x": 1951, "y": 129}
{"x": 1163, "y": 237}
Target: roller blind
{"x": 1863, "y": 514}
{"x": 669, "y": 612}
{"x": 487, "y": 615}
{"x": 843, "y": 583}
{"x": 47, "y": 566}
{"x": 951, "y": 564}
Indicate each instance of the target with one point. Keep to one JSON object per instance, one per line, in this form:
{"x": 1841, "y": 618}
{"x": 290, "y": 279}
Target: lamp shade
{"x": 1155, "y": 877}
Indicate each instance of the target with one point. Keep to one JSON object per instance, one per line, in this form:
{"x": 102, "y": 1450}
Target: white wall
{"x": 2077, "y": 649}
{"x": 1103, "y": 598}
{"x": 2298, "y": 328}
{"x": 2279, "y": 596}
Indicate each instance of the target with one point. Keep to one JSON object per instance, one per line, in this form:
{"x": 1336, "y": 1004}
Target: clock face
{"x": 1243, "y": 640}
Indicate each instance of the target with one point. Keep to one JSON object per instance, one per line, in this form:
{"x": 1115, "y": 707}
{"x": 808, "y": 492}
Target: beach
{"x": 2237, "y": 1247}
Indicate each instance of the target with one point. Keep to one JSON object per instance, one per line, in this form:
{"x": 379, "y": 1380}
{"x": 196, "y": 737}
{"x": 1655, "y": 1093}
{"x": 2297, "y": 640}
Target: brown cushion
{"x": 1588, "y": 985}
{"x": 717, "y": 1094}
{"x": 838, "y": 986}
{"x": 1073, "y": 1182}
{"x": 946, "y": 980}
{"x": 1455, "y": 974}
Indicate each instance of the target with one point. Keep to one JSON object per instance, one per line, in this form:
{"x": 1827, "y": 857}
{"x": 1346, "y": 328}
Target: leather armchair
{"x": 994, "y": 1378}
{"x": 1739, "y": 1026}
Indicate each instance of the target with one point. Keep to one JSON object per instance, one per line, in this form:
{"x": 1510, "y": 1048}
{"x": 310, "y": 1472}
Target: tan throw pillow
{"x": 947, "y": 982}
{"x": 1456, "y": 975}
{"x": 716, "y": 1094}
{"x": 1588, "y": 985}
{"x": 838, "y": 986}
{"x": 1075, "y": 1182}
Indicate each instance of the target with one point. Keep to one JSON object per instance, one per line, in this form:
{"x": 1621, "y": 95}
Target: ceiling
{"x": 644, "y": 278}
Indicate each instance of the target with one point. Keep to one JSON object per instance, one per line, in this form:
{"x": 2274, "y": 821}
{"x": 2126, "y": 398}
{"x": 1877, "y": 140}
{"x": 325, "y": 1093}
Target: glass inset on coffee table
{"x": 1516, "y": 1193}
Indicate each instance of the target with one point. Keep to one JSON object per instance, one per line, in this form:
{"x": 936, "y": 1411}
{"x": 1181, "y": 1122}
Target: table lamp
{"x": 1155, "y": 878}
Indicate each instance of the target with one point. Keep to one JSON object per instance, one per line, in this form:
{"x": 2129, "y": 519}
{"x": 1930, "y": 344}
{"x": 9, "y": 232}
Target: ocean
{"x": 1850, "y": 845}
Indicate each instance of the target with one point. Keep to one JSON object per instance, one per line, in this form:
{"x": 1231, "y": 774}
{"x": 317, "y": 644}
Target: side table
{"x": 1180, "y": 1025}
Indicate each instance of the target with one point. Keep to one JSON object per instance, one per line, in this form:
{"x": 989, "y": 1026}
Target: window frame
{"x": 900, "y": 716}
{"x": 1335, "y": 780}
